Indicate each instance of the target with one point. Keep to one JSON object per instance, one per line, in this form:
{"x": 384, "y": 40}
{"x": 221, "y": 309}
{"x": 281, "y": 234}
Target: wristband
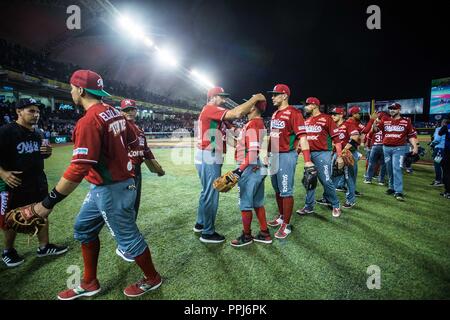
{"x": 238, "y": 172}
{"x": 306, "y": 155}
{"x": 52, "y": 199}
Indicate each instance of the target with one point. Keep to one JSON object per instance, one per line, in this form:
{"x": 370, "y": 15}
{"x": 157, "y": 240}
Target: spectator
{"x": 438, "y": 145}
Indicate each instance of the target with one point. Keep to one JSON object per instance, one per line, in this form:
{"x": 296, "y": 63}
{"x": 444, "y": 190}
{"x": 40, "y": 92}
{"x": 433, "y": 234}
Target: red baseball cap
{"x": 353, "y": 110}
{"x": 261, "y": 105}
{"x": 217, "y": 91}
{"x": 127, "y": 104}
{"x": 90, "y": 81}
{"x": 313, "y": 100}
{"x": 395, "y": 106}
{"x": 338, "y": 110}
{"x": 383, "y": 115}
{"x": 281, "y": 89}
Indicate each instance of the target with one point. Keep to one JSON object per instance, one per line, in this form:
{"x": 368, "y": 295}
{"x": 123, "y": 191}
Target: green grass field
{"x": 324, "y": 258}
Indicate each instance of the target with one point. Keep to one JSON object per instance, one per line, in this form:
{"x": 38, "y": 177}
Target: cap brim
{"x": 275, "y": 92}
{"x": 223, "y": 94}
{"x": 100, "y": 93}
{"x": 128, "y": 108}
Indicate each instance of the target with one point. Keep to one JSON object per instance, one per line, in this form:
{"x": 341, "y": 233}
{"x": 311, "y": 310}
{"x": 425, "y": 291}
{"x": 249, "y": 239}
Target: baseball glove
{"x": 348, "y": 159}
{"x": 310, "y": 178}
{"x": 336, "y": 171}
{"x": 24, "y": 220}
{"x": 226, "y": 182}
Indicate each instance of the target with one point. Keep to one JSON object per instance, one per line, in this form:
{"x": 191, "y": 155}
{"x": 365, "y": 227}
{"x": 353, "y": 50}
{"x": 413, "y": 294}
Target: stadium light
{"x": 202, "y": 79}
{"x": 167, "y": 56}
{"x": 148, "y": 42}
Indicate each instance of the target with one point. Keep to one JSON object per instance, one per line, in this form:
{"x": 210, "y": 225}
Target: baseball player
{"x": 357, "y": 135}
{"x": 100, "y": 155}
{"x": 138, "y": 152}
{"x": 321, "y": 130}
{"x": 396, "y": 130}
{"x": 376, "y": 154}
{"x": 287, "y": 137}
{"x": 251, "y": 182}
{"x": 209, "y": 156}
{"x": 22, "y": 177}
{"x": 346, "y": 133}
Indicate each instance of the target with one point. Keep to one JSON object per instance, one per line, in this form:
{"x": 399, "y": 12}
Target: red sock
{"x": 90, "y": 252}
{"x": 247, "y": 221}
{"x": 288, "y": 204}
{"x": 279, "y": 203}
{"x": 144, "y": 261}
{"x": 261, "y": 215}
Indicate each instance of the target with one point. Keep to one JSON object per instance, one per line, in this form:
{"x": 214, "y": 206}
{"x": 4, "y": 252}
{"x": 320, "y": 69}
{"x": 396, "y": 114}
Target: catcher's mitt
{"x": 348, "y": 159}
{"x": 310, "y": 178}
{"x": 226, "y": 182}
{"x": 24, "y": 220}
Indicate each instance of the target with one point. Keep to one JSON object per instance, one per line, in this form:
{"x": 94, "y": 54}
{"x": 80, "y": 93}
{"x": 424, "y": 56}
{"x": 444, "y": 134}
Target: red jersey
{"x": 377, "y": 138}
{"x": 101, "y": 140}
{"x": 138, "y": 151}
{"x": 321, "y": 131}
{"x": 286, "y": 128}
{"x": 211, "y": 129}
{"x": 249, "y": 142}
{"x": 397, "y": 131}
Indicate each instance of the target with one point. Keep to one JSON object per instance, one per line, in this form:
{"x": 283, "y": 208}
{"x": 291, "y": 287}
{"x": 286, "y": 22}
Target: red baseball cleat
{"x": 142, "y": 286}
{"x": 83, "y": 290}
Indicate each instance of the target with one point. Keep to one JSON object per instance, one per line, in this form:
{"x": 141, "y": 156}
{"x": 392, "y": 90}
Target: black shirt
{"x": 20, "y": 151}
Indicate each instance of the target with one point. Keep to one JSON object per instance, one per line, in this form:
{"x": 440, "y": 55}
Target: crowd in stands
{"x": 37, "y": 64}
{"x": 62, "y": 122}
{"x": 424, "y": 124}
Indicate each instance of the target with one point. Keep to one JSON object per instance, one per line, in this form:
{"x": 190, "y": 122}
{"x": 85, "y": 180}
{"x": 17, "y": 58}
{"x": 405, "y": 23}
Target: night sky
{"x": 320, "y": 48}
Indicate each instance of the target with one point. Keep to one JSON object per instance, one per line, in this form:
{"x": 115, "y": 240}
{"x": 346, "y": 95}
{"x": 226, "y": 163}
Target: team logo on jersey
{"x": 277, "y": 124}
{"x": 313, "y": 129}
{"x": 394, "y": 128}
{"x": 80, "y": 151}
{"x": 341, "y": 136}
{"x": 27, "y": 147}
{"x": 141, "y": 141}
{"x": 134, "y": 154}
{"x": 301, "y": 128}
{"x": 129, "y": 166}
{"x": 393, "y": 135}
{"x": 274, "y": 134}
